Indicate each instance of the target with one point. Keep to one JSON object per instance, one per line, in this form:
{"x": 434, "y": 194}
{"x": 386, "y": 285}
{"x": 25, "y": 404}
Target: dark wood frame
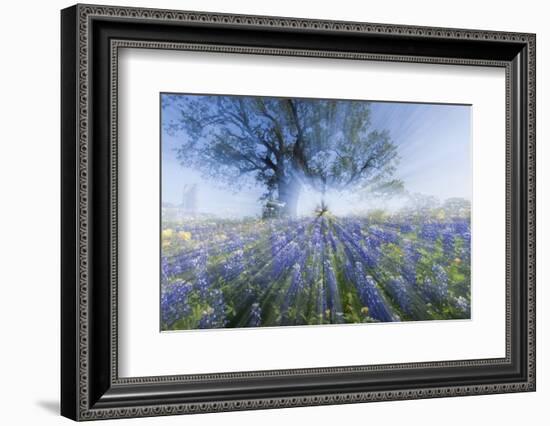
{"x": 91, "y": 37}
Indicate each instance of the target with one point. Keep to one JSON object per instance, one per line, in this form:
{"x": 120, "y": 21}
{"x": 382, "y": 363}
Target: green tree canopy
{"x": 283, "y": 144}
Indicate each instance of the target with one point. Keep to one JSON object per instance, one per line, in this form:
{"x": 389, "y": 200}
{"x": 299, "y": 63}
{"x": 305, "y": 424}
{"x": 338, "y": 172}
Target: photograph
{"x": 275, "y": 208}
{"x": 288, "y": 211}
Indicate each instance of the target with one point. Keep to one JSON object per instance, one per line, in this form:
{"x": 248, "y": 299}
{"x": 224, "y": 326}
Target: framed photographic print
{"x": 263, "y": 212}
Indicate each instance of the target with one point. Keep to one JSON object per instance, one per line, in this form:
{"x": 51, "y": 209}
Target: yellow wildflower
{"x": 365, "y": 310}
{"x": 185, "y": 236}
{"x": 167, "y": 233}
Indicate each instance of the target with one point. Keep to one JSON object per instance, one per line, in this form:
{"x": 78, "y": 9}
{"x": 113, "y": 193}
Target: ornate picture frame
{"x": 91, "y": 38}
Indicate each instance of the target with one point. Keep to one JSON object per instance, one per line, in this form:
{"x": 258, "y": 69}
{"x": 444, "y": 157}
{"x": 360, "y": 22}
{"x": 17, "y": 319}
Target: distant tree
{"x": 457, "y": 206}
{"x": 421, "y": 203}
{"x": 283, "y": 144}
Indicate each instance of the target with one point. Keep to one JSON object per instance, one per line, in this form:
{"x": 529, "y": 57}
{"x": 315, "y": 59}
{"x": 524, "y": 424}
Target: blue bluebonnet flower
{"x": 285, "y": 258}
{"x": 368, "y": 254}
{"x": 462, "y": 304}
{"x": 321, "y": 302}
{"x": 410, "y": 261}
{"x": 369, "y": 295}
{"x": 461, "y": 229}
{"x": 255, "y": 316}
{"x": 234, "y": 265}
{"x": 202, "y": 285}
{"x": 448, "y": 239}
{"x": 400, "y": 293}
{"x": 440, "y": 275}
{"x": 406, "y": 228}
{"x": 174, "y": 303}
{"x": 214, "y": 315}
{"x": 349, "y": 270}
{"x": 435, "y": 287}
{"x": 334, "y": 302}
{"x": 384, "y": 236}
{"x": 430, "y": 231}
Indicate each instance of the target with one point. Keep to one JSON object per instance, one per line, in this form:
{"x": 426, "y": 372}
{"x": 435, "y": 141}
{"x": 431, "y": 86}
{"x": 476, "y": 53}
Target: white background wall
{"x": 29, "y": 209}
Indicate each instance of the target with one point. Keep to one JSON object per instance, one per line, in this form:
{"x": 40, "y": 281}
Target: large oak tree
{"x": 283, "y": 144}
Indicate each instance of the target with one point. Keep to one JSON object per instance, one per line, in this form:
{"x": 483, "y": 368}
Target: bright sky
{"x": 434, "y": 145}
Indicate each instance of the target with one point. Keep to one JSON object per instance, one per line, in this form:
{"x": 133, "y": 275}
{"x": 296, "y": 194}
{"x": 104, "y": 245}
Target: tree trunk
{"x": 288, "y": 194}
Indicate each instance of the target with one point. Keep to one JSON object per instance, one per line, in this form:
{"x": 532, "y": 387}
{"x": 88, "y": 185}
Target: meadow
{"x": 322, "y": 269}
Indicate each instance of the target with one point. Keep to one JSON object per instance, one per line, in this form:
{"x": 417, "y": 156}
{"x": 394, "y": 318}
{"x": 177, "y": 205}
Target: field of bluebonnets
{"x": 378, "y": 267}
